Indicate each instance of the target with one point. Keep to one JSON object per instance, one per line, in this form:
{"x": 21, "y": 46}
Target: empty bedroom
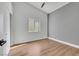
{"x": 39, "y": 28}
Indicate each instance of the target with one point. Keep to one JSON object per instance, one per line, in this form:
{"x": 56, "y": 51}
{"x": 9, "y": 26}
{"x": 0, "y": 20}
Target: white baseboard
{"x": 70, "y": 44}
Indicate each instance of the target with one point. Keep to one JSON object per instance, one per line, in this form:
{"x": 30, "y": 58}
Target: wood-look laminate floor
{"x": 43, "y": 47}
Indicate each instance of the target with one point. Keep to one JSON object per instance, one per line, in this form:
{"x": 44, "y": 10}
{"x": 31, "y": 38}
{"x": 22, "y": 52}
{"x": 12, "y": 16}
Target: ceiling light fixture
{"x": 42, "y": 4}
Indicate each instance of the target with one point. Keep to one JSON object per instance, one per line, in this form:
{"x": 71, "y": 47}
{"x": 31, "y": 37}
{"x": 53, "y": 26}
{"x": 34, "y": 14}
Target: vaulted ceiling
{"x": 48, "y": 6}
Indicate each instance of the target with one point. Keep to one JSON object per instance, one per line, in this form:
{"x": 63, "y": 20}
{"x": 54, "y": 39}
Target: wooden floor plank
{"x": 44, "y": 47}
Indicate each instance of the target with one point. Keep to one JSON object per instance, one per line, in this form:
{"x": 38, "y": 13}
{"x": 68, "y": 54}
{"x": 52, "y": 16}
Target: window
{"x": 33, "y": 25}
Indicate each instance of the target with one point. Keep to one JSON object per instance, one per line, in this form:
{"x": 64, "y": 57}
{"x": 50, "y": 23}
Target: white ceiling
{"x": 49, "y": 6}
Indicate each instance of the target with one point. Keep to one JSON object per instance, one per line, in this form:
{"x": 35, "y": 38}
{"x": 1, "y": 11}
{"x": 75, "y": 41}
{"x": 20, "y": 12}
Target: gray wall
{"x": 64, "y": 23}
{"x": 21, "y": 12}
